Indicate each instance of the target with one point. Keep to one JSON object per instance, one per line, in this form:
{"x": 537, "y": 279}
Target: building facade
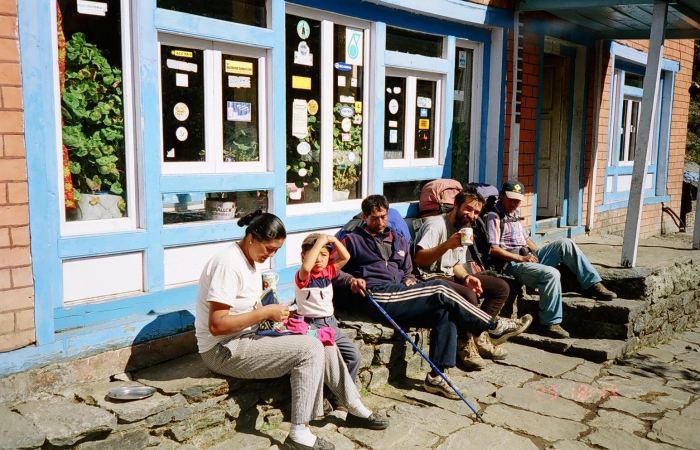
{"x": 136, "y": 132}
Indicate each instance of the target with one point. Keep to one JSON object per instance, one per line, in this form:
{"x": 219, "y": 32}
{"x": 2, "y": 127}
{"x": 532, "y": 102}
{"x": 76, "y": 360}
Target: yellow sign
{"x": 182, "y": 53}
{"x": 301, "y": 83}
{"x": 358, "y": 107}
{"x": 423, "y": 124}
{"x": 241, "y": 67}
{"x": 313, "y": 107}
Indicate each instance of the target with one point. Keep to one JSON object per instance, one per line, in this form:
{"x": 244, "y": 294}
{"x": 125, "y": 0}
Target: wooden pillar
{"x": 644, "y": 134}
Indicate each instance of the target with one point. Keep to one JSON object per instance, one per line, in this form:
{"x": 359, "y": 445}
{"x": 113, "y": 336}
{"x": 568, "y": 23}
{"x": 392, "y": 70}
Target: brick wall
{"x": 16, "y": 283}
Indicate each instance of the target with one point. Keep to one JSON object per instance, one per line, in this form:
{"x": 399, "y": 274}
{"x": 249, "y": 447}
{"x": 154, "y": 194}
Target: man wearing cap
{"x": 535, "y": 267}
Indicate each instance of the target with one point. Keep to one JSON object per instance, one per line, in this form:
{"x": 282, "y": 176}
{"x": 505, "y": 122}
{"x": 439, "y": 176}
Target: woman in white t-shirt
{"x": 227, "y": 316}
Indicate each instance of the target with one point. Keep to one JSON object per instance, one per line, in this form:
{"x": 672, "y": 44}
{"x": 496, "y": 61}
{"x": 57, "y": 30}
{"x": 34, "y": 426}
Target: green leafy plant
{"x": 240, "y": 145}
{"x": 93, "y": 119}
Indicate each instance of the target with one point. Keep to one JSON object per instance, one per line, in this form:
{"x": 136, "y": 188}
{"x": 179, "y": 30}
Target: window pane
{"x": 94, "y": 149}
{"x": 182, "y": 85}
{"x": 634, "y": 121}
{"x": 394, "y": 117}
{"x": 623, "y": 131}
{"x": 405, "y": 191}
{"x": 240, "y": 103}
{"x": 405, "y": 41}
{"x": 303, "y": 56}
{"x": 462, "y": 126}
{"x": 198, "y": 206}
{"x": 425, "y": 119}
{"x": 249, "y": 12}
{"x": 347, "y": 112}
{"x": 634, "y": 80}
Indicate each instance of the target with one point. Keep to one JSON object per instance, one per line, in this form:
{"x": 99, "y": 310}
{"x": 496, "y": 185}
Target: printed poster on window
{"x": 299, "y": 119}
{"x": 353, "y": 46}
{"x": 238, "y": 112}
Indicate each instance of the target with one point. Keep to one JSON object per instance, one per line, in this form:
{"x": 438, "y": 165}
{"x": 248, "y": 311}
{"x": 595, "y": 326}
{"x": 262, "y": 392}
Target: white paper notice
{"x": 341, "y": 81}
{"x": 238, "y": 82}
{"x": 459, "y": 96}
{"x": 182, "y": 80}
{"x": 181, "y": 65}
{"x": 393, "y": 136}
{"x": 299, "y": 119}
{"x": 92, "y": 8}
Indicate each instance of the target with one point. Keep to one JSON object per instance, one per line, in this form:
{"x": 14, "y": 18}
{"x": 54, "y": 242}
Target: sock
{"x": 356, "y": 408}
{"x": 434, "y": 373}
{"x": 302, "y": 434}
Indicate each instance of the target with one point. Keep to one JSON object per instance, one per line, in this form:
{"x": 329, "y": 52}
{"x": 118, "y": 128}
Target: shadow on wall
{"x": 166, "y": 337}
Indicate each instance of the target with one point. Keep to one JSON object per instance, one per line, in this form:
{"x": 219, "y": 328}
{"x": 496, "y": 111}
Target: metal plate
{"x": 131, "y": 393}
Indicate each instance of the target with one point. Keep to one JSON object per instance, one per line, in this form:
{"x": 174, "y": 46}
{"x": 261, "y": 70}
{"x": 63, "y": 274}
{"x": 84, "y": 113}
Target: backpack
{"x": 437, "y": 196}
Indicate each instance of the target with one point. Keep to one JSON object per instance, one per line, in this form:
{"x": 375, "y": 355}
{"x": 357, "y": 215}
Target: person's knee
{"x": 549, "y": 275}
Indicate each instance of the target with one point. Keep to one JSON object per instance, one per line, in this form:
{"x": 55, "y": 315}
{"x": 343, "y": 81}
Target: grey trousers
{"x": 304, "y": 358}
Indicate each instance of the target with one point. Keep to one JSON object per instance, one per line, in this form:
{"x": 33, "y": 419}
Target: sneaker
{"x": 555, "y": 331}
{"x": 375, "y": 421}
{"x": 321, "y": 444}
{"x": 507, "y": 328}
{"x": 486, "y": 348}
{"x": 436, "y": 385}
{"x": 469, "y": 355}
{"x": 600, "y": 292}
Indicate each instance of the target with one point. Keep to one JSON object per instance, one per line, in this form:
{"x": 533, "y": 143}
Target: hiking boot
{"x": 436, "y": 385}
{"x": 375, "y": 421}
{"x": 555, "y": 331}
{"x": 487, "y": 349}
{"x": 507, "y": 328}
{"x": 600, "y": 292}
{"x": 469, "y": 355}
{"x": 321, "y": 444}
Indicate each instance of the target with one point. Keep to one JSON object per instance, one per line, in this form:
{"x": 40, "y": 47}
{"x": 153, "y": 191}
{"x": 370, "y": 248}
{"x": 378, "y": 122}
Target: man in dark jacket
{"x": 380, "y": 262}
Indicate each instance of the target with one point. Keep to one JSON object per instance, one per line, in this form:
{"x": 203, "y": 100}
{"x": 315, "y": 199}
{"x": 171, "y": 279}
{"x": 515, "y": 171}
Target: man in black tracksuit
{"x": 380, "y": 262}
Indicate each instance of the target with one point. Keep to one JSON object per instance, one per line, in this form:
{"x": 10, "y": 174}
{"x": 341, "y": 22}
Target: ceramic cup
{"x": 270, "y": 280}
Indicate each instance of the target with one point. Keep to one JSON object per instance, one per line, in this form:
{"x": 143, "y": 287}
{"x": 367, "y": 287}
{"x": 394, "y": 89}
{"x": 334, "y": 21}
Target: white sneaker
{"x": 507, "y": 328}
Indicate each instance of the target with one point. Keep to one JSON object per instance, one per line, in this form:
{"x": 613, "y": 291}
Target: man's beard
{"x": 462, "y": 222}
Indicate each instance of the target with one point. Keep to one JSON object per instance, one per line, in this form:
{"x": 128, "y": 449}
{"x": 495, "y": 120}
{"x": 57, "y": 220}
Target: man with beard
{"x": 380, "y": 262}
{"x": 440, "y": 255}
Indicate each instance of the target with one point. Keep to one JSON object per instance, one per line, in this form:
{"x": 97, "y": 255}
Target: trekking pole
{"x": 442, "y": 375}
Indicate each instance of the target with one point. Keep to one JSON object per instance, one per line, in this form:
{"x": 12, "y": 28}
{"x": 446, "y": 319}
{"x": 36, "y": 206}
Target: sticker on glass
{"x": 423, "y": 124}
{"x": 393, "y": 136}
{"x": 181, "y": 111}
{"x": 182, "y": 80}
{"x": 170, "y": 153}
{"x": 303, "y": 55}
{"x": 393, "y": 124}
{"x": 357, "y": 119}
{"x": 462, "y": 64}
{"x": 358, "y": 107}
{"x": 424, "y": 102}
{"x": 182, "y": 53}
{"x": 299, "y": 119}
{"x": 301, "y": 83}
{"x": 239, "y": 67}
{"x": 397, "y": 90}
{"x": 393, "y": 106}
{"x": 346, "y": 111}
{"x": 302, "y": 172}
{"x": 345, "y": 137}
{"x": 459, "y": 96}
{"x": 313, "y": 107}
{"x": 303, "y": 29}
{"x": 303, "y": 148}
{"x": 238, "y": 112}
{"x": 346, "y": 124}
{"x": 388, "y": 90}
{"x": 238, "y": 82}
{"x": 353, "y": 82}
{"x": 424, "y": 112}
{"x": 353, "y": 46}
{"x": 343, "y": 67}
{"x": 92, "y": 8}
{"x": 181, "y": 65}
{"x": 347, "y": 99}
{"x": 341, "y": 81}
{"x": 351, "y": 156}
{"x": 181, "y": 134}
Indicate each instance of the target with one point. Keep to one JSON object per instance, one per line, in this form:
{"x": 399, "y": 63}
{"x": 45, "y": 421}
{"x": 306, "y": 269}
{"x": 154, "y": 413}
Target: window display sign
{"x": 240, "y": 104}
{"x": 353, "y": 46}
{"x": 241, "y": 67}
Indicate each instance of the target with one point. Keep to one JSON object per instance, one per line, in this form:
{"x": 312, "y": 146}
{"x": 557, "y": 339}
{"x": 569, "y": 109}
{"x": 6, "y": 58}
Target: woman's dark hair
{"x": 469, "y": 194}
{"x": 373, "y": 202}
{"x": 264, "y": 227}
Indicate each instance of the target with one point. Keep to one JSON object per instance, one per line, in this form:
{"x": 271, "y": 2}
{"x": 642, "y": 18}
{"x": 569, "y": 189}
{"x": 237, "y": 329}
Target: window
{"x": 248, "y": 12}
{"x": 325, "y": 110}
{"x": 189, "y": 207}
{"x": 96, "y": 113}
{"x": 213, "y": 108}
{"x": 405, "y": 41}
{"x": 462, "y": 114}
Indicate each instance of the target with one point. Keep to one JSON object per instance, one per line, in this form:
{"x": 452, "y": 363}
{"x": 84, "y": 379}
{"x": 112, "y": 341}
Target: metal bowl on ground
{"x": 128, "y": 393}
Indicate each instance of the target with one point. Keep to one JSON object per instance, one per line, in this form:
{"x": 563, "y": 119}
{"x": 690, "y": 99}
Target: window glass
{"x": 425, "y": 119}
{"x": 248, "y": 12}
{"x": 394, "y": 117}
{"x": 461, "y": 124}
{"x": 405, "y": 41}
{"x": 91, "y": 86}
{"x": 404, "y": 191}
{"x": 347, "y": 112}
{"x": 199, "y": 206}
{"x": 303, "y": 56}
{"x": 240, "y": 105}
{"x": 634, "y": 80}
{"x": 182, "y": 91}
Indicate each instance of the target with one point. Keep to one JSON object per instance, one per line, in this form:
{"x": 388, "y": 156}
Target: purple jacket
{"x": 367, "y": 262}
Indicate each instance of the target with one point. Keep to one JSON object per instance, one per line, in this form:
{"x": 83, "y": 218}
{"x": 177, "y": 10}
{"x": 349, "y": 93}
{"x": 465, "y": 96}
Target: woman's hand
{"x": 276, "y": 313}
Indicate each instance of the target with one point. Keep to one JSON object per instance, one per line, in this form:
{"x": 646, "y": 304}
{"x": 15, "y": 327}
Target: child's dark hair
{"x": 264, "y": 227}
{"x": 310, "y": 241}
{"x": 373, "y": 202}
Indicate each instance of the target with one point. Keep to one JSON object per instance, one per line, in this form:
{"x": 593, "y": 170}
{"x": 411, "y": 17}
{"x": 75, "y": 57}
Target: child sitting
{"x": 314, "y": 292}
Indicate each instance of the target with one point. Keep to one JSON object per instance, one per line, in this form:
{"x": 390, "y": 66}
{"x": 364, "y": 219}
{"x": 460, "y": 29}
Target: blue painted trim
{"x": 38, "y": 81}
{"x": 639, "y": 57}
{"x": 538, "y": 114}
{"x": 172, "y": 184}
{"x": 663, "y": 182}
{"x": 418, "y": 62}
{"x": 569, "y": 52}
{"x": 623, "y": 204}
{"x": 393, "y": 175}
{"x": 563, "y": 232}
{"x": 377, "y": 172}
{"x": 556, "y": 29}
{"x": 392, "y": 16}
{"x": 201, "y": 233}
{"x": 97, "y": 245}
{"x": 485, "y": 82}
{"x": 175, "y": 22}
{"x": 448, "y": 118}
{"x": 501, "y": 120}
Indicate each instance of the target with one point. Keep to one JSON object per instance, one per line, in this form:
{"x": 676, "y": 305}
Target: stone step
{"x": 594, "y": 350}
{"x": 547, "y": 224}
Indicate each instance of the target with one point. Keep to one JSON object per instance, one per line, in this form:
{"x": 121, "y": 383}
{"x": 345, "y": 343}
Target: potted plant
{"x": 220, "y": 206}
{"x": 93, "y": 130}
